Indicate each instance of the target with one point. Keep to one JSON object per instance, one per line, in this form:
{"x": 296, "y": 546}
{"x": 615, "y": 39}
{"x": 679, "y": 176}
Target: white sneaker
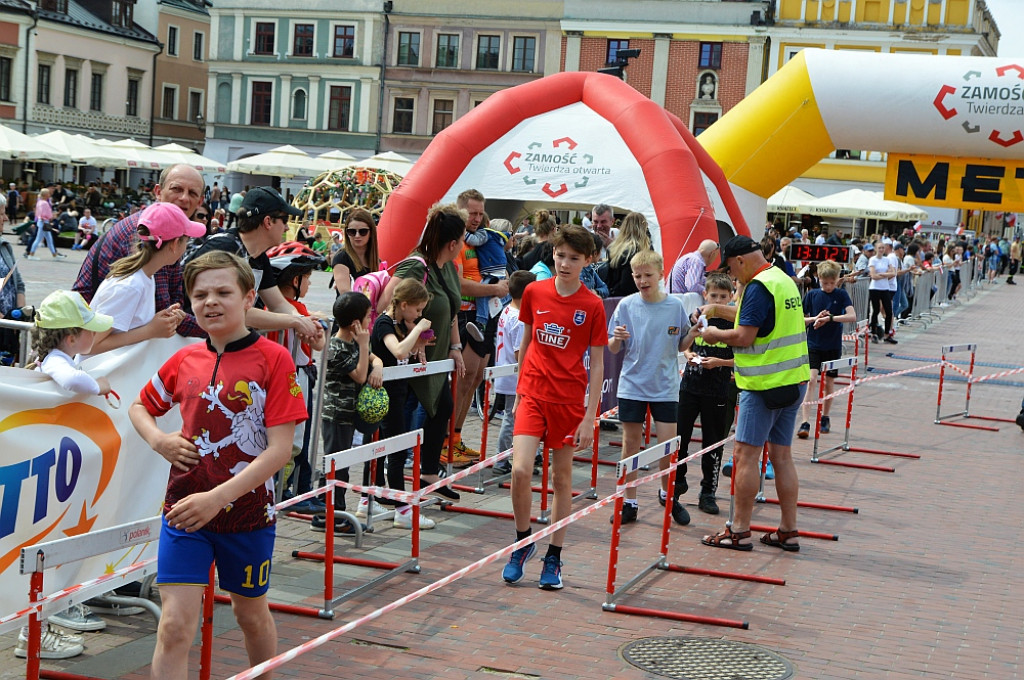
{"x": 70, "y": 637}
{"x": 31, "y": 257}
{"x": 78, "y": 617}
{"x": 403, "y": 520}
{"x": 364, "y": 503}
{"x": 54, "y": 646}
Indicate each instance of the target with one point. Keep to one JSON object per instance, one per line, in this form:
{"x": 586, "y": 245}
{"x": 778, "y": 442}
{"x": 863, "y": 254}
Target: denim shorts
{"x": 757, "y": 423}
{"x": 634, "y": 411}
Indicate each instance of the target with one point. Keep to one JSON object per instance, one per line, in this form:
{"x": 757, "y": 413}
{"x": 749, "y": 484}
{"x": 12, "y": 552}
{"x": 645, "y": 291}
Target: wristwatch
{"x": 455, "y": 347}
{"x": 831, "y": 317}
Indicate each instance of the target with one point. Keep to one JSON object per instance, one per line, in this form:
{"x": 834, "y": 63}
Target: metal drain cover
{"x": 694, "y": 658}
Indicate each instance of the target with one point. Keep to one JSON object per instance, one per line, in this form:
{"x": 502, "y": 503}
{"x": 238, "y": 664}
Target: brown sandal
{"x": 733, "y": 538}
{"x": 780, "y": 538}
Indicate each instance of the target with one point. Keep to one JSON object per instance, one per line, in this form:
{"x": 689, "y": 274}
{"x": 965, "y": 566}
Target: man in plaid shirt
{"x": 179, "y": 184}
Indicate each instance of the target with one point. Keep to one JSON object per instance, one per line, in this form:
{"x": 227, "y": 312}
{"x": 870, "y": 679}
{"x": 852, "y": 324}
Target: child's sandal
{"x": 778, "y": 539}
{"x": 729, "y": 539}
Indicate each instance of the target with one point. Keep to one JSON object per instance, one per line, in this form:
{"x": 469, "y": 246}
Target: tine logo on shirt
{"x": 553, "y": 335}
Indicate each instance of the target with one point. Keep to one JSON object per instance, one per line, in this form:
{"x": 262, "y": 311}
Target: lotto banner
{"x": 73, "y": 464}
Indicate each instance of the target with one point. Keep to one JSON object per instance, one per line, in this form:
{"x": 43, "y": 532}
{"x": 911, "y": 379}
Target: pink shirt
{"x": 43, "y": 210}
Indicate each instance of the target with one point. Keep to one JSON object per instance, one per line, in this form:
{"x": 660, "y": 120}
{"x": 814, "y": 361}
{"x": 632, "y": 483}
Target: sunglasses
{"x": 358, "y": 232}
{"x": 201, "y": 216}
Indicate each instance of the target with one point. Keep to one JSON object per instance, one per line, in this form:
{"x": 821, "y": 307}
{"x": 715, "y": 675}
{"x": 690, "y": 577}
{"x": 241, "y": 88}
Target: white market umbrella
{"x": 82, "y": 150}
{"x": 860, "y": 203}
{"x": 335, "y": 160}
{"x": 388, "y": 161}
{"x": 16, "y": 146}
{"x": 786, "y": 199}
{"x": 183, "y": 154}
{"x": 283, "y": 161}
{"x": 138, "y": 154}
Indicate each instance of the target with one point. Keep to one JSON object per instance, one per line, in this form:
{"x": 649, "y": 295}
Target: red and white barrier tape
{"x": 412, "y": 497}
{"x": 295, "y": 652}
{"x": 70, "y": 590}
{"x": 996, "y": 376}
{"x": 957, "y": 369}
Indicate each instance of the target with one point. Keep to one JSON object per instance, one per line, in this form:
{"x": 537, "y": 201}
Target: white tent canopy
{"x": 20, "y": 147}
{"x": 82, "y": 150}
{"x": 860, "y": 203}
{"x": 335, "y": 160}
{"x": 138, "y": 155}
{"x": 282, "y": 161}
{"x": 786, "y": 199}
{"x": 176, "y": 153}
{"x": 389, "y": 161}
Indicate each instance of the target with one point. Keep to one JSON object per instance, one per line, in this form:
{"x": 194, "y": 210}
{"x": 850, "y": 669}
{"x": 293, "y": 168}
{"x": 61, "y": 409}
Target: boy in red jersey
{"x": 562, "y": 319}
{"x": 239, "y": 405}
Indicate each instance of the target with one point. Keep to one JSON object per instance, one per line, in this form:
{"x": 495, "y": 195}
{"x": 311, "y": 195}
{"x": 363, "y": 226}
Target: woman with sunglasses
{"x": 358, "y": 255}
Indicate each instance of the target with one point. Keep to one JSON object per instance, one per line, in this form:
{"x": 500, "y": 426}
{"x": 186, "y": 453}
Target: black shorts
{"x": 634, "y": 411}
{"x": 480, "y": 347}
{"x": 816, "y": 356}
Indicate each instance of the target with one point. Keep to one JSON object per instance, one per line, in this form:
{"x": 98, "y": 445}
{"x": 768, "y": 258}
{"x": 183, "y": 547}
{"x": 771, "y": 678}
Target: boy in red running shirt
{"x": 562, "y": 319}
{"x": 239, "y": 405}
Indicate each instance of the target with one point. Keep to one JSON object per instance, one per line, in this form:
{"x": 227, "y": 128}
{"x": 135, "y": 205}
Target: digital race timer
{"x": 807, "y": 252}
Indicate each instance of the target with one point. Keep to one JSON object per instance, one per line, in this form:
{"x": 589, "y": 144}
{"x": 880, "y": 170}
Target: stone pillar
{"x": 659, "y": 75}
{"x": 755, "y": 62}
{"x": 313, "y": 104}
{"x": 285, "y": 109}
{"x": 573, "y": 41}
{"x": 237, "y": 97}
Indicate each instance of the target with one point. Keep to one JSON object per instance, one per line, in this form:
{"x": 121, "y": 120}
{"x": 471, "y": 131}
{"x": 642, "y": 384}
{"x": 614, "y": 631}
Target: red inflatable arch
{"x": 671, "y": 161}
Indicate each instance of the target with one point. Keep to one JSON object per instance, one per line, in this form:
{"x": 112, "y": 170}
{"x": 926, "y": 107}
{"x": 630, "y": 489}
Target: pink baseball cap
{"x": 166, "y": 222}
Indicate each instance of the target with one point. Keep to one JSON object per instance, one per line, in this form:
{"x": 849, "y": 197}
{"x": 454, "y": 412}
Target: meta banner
{"x": 969, "y": 183}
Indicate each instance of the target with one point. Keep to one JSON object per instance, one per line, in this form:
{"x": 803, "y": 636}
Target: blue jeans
{"x": 41, "y": 233}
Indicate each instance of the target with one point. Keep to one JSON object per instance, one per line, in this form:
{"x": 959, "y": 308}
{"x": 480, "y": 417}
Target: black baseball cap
{"x": 266, "y": 201}
{"x": 739, "y": 245}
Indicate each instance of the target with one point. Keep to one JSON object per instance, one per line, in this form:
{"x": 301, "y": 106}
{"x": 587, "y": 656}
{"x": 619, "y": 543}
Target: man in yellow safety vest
{"x": 769, "y": 343}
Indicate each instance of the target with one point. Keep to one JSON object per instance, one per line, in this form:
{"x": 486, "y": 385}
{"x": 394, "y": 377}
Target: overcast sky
{"x": 1009, "y": 16}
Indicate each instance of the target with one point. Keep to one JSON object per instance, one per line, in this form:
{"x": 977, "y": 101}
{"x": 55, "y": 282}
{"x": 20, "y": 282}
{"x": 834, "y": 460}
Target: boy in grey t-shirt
{"x": 650, "y": 326}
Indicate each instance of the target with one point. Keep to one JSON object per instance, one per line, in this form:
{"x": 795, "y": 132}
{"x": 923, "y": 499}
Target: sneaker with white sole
{"x": 54, "y": 646}
{"x": 403, "y": 520}
{"x": 513, "y": 571}
{"x": 78, "y": 617}
{"x": 551, "y": 574}
{"x": 67, "y": 635}
{"x": 364, "y": 503}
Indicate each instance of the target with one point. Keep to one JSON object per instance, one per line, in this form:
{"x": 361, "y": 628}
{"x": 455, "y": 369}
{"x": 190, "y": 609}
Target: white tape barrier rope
{"x": 416, "y": 497}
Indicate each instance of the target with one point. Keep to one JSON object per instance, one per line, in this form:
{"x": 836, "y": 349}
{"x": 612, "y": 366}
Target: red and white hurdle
{"x": 851, "y": 363}
{"x": 36, "y": 559}
{"x": 971, "y": 381}
{"x": 629, "y": 466}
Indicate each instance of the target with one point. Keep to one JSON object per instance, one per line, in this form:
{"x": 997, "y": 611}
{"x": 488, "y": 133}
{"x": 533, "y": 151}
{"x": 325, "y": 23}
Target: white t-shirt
{"x": 507, "y": 342}
{"x": 882, "y": 265}
{"x": 131, "y": 300}
{"x": 894, "y": 261}
{"x": 65, "y": 372}
{"x": 819, "y": 240}
{"x": 88, "y": 223}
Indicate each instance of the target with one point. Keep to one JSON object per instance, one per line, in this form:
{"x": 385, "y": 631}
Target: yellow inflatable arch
{"x": 953, "y": 127}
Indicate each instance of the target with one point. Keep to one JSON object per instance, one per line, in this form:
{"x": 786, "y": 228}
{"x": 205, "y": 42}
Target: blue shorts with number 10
{"x": 243, "y": 559}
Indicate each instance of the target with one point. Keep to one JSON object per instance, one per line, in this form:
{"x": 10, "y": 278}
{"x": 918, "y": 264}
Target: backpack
{"x": 372, "y": 285}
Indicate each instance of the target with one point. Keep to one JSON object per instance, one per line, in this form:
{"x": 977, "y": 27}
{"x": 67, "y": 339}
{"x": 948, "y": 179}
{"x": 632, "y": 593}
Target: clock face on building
{"x": 808, "y": 252}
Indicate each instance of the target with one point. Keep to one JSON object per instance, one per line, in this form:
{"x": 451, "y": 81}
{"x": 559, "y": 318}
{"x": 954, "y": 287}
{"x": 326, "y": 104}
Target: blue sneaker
{"x": 727, "y": 468}
{"x": 513, "y": 571}
{"x": 551, "y": 574}
{"x": 769, "y": 472}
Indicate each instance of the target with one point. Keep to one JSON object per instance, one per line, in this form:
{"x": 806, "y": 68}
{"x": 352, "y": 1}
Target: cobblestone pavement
{"x": 923, "y": 581}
